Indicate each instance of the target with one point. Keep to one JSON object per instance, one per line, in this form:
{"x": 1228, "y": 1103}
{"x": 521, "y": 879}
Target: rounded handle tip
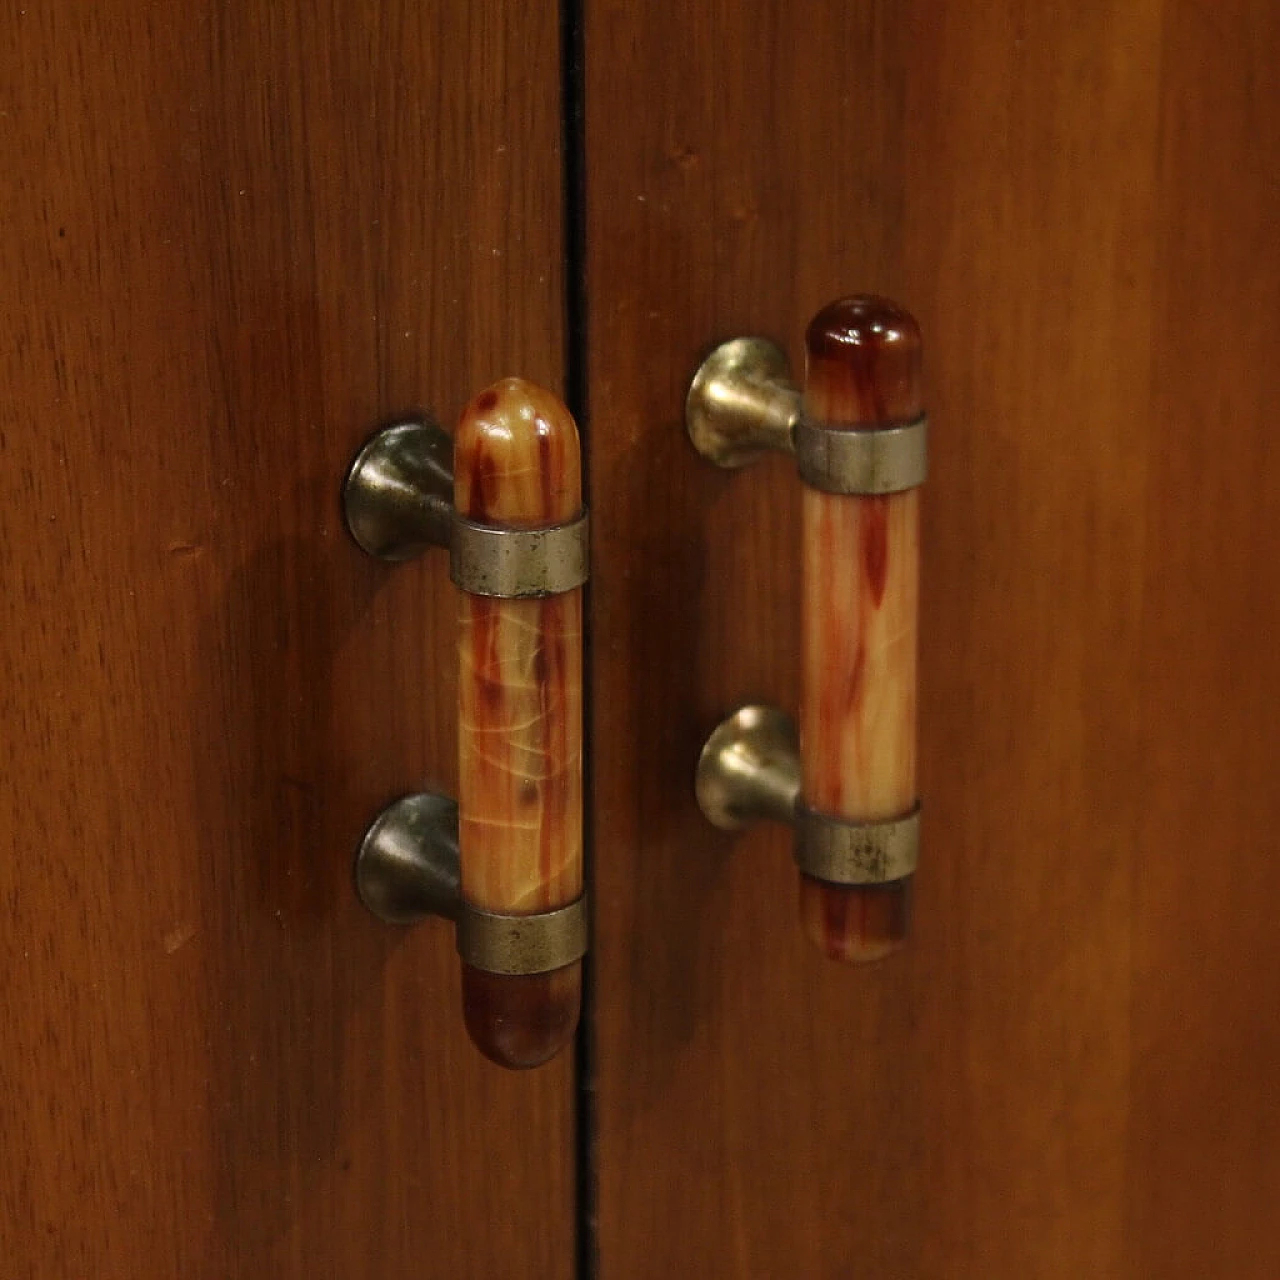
{"x": 863, "y": 366}
{"x": 521, "y": 1022}
{"x": 856, "y": 925}
{"x": 516, "y": 457}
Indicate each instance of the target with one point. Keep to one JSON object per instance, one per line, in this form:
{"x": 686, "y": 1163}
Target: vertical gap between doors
{"x": 573, "y": 149}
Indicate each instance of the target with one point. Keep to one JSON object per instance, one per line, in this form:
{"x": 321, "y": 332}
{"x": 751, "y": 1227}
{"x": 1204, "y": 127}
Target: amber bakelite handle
{"x": 861, "y": 578}
{"x": 517, "y": 465}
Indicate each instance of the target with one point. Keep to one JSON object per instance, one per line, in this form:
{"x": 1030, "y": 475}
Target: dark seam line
{"x": 573, "y": 148}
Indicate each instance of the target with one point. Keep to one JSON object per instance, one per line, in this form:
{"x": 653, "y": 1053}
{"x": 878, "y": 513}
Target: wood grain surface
{"x": 1071, "y": 1069}
{"x": 235, "y": 238}
{"x": 517, "y": 465}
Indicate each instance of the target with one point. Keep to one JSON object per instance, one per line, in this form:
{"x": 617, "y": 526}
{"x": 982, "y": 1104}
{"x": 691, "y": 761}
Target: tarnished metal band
{"x": 888, "y": 460}
{"x": 515, "y": 563}
{"x": 843, "y": 852}
{"x": 515, "y": 945}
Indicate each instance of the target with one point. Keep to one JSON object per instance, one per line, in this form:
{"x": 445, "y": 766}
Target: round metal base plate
{"x": 398, "y": 495}
{"x": 741, "y": 402}
{"x": 749, "y": 769}
{"x": 407, "y": 867}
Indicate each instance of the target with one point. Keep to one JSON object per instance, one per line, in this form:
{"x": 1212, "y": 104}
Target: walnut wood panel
{"x": 237, "y": 236}
{"x": 1070, "y": 1070}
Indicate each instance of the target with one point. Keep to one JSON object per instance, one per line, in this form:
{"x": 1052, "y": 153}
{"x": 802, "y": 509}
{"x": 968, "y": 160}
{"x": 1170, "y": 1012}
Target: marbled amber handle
{"x": 517, "y": 465}
{"x": 860, "y": 619}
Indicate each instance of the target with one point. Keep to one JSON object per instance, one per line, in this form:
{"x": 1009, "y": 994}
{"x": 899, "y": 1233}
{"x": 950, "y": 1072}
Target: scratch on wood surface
{"x": 178, "y": 938}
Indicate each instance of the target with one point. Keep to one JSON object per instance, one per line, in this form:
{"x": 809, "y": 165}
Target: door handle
{"x": 505, "y": 862}
{"x": 847, "y": 782}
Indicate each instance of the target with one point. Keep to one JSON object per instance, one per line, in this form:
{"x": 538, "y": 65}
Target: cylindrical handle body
{"x": 517, "y": 465}
{"x": 861, "y": 572}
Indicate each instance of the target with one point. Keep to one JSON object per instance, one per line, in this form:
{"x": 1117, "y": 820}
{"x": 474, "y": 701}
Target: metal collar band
{"x": 842, "y": 852}
{"x": 518, "y": 563}
{"x": 515, "y": 945}
{"x": 886, "y": 460}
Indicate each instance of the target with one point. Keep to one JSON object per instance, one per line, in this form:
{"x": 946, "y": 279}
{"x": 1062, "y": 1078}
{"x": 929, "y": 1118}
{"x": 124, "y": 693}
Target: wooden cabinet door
{"x": 236, "y": 236}
{"x": 1071, "y": 1071}
{"x": 239, "y": 236}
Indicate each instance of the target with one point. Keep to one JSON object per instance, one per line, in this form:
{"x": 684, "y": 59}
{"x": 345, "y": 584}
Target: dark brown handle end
{"x": 858, "y": 925}
{"x": 863, "y": 364}
{"x": 521, "y": 1022}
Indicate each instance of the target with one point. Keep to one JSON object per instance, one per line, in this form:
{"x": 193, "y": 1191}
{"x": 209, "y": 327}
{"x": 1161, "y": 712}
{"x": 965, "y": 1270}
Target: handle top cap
{"x": 516, "y": 459}
{"x": 862, "y": 366}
